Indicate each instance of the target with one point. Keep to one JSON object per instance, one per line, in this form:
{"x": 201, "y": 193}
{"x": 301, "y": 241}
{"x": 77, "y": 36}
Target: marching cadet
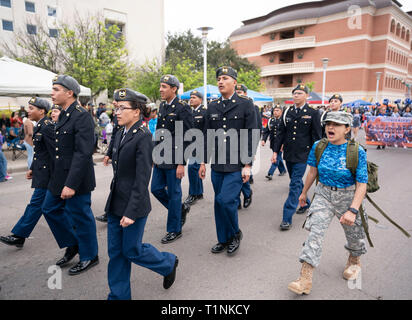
{"x": 298, "y": 131}
{"x": 168, "y": 173}
{"x": 335, "y": 104}
{"x": 40, "y": 172}
{"x": 195, "y": 183}
{"x": 55, "y": 113}
{"x": 272, "y": 131}
{"x": 247, "y": 192}
{"x": 339, "y": 192}
{"x": 73, "y": 178}
{"x": 128, "y": 204}
{"x": 230, "y": 113}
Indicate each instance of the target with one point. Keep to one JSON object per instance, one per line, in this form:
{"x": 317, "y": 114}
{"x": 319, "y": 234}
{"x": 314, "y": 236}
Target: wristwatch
{"x": 353, "y": 210}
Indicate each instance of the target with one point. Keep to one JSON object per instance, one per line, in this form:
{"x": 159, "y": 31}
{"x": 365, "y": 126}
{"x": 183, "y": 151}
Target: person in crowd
{"x": 407, "y": 113}
{"x": 28, "y": 128}
{"x": 395, "y": 112}
{"x": 15, "y": 119}
{"x": 128, "y": 204}
{"x": 356, "y": 123}
{"x": 22, "y": 113}
{"x": 339, "y": 193}
{"x": 3, "y": 160}
{"x": 39, "y": 172}
{"x": 153, "y": 118}
{"x": 55, "y": 113}
{"x": 227, "y": 114}
{"x": 73, "y": 179}
{"x": 299, "y": 130}
{"x": 104, "y": 119}
{"x": 169, "y": 168}
{"x": 4, "y": 123}
{"x": 272, "y": 131}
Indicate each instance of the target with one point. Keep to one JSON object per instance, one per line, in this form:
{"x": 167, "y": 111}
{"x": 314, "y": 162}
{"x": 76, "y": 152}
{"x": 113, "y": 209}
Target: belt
{"x": 353, "y": 187}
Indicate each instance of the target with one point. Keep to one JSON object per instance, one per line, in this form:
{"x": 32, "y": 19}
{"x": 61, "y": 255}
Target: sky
{"x": 224, "y": 16}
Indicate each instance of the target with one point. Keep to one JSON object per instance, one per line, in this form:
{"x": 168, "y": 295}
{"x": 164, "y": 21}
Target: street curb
{"x": 19, "y": 168}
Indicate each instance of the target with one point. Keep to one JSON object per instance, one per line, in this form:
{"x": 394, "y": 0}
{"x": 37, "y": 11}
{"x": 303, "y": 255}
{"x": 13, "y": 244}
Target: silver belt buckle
{"x": 334, "y": 188}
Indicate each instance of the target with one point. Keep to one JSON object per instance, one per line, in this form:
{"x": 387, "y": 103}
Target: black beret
{"x": 170, "y": 80}
{"x": 241, "y": 87}
{"x": 336, "y": 96}
{"x": 130, "y": 95}
{"x": 55, "y": 106}
{"x": 197, "y": 94}
{"x": 40, "y": 103}
{"x": 226, "y": 71}
{"x": 68, "y": 82}
{"x": 302, "y": 88}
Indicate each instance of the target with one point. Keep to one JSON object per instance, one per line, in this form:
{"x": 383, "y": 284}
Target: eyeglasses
{"x": 121, "y": 109}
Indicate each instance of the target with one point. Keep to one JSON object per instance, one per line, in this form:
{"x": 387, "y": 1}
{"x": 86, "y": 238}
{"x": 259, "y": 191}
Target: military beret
{"x": 68, "y": 82}
{"x": 40, "y": 103}
{"x": 226, "y": 71}
{"x": 241, "y": 87}
{"x": 336, "y": 96}
{"x": 339, "y": 117}
{"x": 130, "y": 95}
{"x": 197, "y": 94}
{"x": 278, "y": 106}
{"x": 170, "y": 80}
{"x": 302, "y": 88}
{"x": 55, "y": 106}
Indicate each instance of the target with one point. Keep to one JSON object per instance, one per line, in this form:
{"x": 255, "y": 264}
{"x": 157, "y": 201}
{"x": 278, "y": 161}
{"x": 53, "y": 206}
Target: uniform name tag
{"x": 307, "y": 117}
{"x": 214, "y": 115}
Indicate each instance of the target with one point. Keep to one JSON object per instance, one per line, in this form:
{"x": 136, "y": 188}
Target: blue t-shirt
{"x": 332, "y": 166}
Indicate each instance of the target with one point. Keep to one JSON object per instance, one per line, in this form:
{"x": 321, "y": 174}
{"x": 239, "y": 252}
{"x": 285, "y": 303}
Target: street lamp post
{"x": 325, "y": 62}
{"x": 205, "y": 31}
{"x": 378, "y": 77}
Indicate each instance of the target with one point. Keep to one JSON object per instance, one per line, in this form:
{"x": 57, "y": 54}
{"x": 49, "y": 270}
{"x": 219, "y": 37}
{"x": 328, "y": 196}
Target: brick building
{"x": 359, "y": 37}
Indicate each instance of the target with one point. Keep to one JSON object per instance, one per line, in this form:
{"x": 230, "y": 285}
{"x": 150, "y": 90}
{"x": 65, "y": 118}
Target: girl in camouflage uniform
{"x": 338, "y": 193}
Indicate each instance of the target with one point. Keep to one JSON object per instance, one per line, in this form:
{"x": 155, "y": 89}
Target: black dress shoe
{"x": 171, "y": 236}
{"x": 83, "y": 266}
{"x": 269, "y": 177}
{"x": 68, "y": 256}
{"x": 13, "y": 240}
{"x": 102, "y": 218}
{"x": 233, "y": 246}
{"x": 284, "y": 226}
{"x": 282, "y": 174}
{"x": 185, "y": 211}
{"x": 251, "y": 180}
{"x": 247, "y": 201}
{"x": 302, "y": 210}
{"x": 170, "y": 279}
{"x": 191, "y": 199}
{"x": 218, "y": 248}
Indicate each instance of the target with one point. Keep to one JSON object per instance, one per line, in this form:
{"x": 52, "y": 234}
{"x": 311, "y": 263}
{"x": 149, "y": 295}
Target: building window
{"x": 398, "y": 29}
{"x": 51, "y": 11}
{"x": 7, "y": 25}
{"x": 118, "y": 25}
{"x": 5, "y": 3}
{"x": 30, "y": 6}
{"x": 393, "y": 26}
{"x": 31, "y": 29}
{"x": 408, "y": 36}
{"x": 53, "y": 33}
{"x": 403, "y": 33}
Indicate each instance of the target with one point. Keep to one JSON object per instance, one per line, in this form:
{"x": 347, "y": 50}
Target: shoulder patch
{"x": 245, "y": 97}
{"x": 80, "y": 109}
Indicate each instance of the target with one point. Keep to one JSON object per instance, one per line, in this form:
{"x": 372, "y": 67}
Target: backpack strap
{"x": 352, "y": 156}
{"x": 320, "y": 148}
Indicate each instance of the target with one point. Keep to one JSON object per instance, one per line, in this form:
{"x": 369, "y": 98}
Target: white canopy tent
{"x": 18, "y": 79}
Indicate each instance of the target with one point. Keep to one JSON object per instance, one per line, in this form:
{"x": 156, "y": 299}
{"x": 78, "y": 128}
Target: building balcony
{"x": 288, "y": 68}
{"x": 288, "y": 45}
{"x": 279, "y": 93}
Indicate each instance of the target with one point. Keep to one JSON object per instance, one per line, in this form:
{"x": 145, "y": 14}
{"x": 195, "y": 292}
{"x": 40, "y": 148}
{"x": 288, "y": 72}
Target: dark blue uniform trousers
{"x": 279, "y": 164}
{"x": 227, "y": 187}
{"x": 296, "y": 173}
{"x": 125, "y": 246}
{"x": 24, "y": 227}
{"x": 171, "y": 198}
{"x": 195, "y": 183}
{"x": 63, "y": 215}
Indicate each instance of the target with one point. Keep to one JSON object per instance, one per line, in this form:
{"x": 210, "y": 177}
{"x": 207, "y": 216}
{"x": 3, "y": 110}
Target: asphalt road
{"x": 266, "y": 262}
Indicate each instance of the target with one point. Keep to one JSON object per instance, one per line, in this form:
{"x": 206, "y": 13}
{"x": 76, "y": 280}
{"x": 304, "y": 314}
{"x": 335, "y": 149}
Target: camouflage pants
{"x": 325, "y": 206}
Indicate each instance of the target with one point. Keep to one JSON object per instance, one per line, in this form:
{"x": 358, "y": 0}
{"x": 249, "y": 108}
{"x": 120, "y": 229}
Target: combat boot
{"x": 304, "y": 284}
{"x": 352, "y": 268}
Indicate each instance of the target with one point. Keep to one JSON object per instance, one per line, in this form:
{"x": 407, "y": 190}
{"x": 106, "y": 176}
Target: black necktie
{"x": 124, "y": 135}
{"x": 226, "y": 102}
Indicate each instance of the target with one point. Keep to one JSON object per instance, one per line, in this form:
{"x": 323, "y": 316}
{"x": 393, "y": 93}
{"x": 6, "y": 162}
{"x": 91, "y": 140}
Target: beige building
{"x": 361, "y": 39}
{"x": 141, "y": 21}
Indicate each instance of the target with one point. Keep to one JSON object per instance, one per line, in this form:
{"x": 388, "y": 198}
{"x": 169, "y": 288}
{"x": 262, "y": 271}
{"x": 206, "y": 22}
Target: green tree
{"x": 251, "y": 79}
{"x": 310, "y": 85}
{"x": 146, "y": 79}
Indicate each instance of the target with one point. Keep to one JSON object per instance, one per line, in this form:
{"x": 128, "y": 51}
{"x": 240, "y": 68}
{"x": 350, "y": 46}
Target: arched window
{"x": 408, "y": 35}
{"x": 403, "y": 33}
{"x": 398, "y": 29}
{"x": 393, "y": 26}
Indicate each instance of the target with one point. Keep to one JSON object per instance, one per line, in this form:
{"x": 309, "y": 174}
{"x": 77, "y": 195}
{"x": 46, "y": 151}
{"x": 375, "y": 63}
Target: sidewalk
{"x": 20, "y": 165}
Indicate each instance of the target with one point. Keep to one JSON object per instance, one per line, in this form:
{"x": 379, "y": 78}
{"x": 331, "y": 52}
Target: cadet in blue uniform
{"x": 73, "y": 178}
{"x": 39, "y": 173}
{"x": 128, "y": 204}
{"x": 298, "y": 131}
{"x": 247, "y": 192}
{"x": 225, "y": 118}
{"x": 169, "y": 164}
{"x": 272, "y": 131}
{"x": 195, "y": 183}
